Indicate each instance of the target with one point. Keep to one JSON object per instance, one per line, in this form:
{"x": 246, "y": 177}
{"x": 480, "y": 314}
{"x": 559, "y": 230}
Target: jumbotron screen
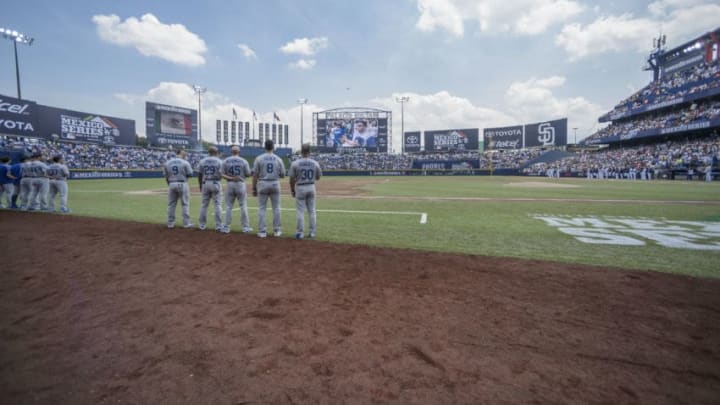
{"x": 168, "y": 125}
{"x": 337, "y": 130}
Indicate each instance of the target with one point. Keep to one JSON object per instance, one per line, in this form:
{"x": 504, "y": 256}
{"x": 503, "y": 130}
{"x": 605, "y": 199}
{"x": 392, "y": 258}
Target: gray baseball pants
{"x": 305, "y": 200}
{"x": 211, "y": 190}
{"x": 236, "y": 190}
{"x": 271, "y": 190}
{"x": 57, "y": 187}
{"x": 178, "y": 191}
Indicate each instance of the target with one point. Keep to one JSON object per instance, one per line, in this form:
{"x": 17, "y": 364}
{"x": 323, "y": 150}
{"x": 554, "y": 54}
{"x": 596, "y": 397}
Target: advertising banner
{"x": 467, "y": 164}
{"x": 548, "y": 133}
{"x": 18, "y": 117}
{"x": 503, "y": 138}
{"x": 452, "y": 140}
{"x": 411, "y": 141}
{"x": 67, "y": 125}
{"x": 287, "y": 138}
{"x": 219, "y": 131}
{"x": 226, "y": 132}
{"x": 247, "y": 131}
{"x": 170, "y": 125}
{"x": 233, "y": 132}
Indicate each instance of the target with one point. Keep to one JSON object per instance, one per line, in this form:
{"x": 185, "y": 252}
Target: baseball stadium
{"x": 228, "y": 257}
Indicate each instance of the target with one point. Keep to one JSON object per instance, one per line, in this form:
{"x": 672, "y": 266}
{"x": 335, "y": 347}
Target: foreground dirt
{"x": 96, "y": 311}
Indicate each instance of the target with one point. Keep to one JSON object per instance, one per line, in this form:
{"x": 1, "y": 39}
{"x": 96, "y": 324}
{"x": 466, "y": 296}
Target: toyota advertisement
{"x": 167, "y": 125}
{"x": 411, "y": 142}
{"x": 17, "y": 117}
{"x": 539, "y": 134}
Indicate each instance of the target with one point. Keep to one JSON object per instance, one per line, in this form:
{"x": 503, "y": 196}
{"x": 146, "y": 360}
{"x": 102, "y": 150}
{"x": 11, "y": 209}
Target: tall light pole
{"x": 402, "y": 100}
{"x": 16, "y": 37}
{"x": 199, "y": 91}
{"x": 302, "y": 102}
{"x": 575, "y": 129}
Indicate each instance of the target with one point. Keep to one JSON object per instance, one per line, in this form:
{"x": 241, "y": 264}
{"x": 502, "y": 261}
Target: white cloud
{"x": 680, "y": 20}
{"x": 303, "y": 64}
{"x": 172, "y": 42}
{"x": 216, "y": 106}
{"x": 247, "y": 52}
{"x": 533, "y": 101}
{"x": 305, "y": 46}
{"x": 522, "y": 17}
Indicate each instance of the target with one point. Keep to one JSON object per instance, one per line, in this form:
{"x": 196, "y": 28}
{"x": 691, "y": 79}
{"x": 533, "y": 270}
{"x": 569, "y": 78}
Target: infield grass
{"x": 496, "y": 219}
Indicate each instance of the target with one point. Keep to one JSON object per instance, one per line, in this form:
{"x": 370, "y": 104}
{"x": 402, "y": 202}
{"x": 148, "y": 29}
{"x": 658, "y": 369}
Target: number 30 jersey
{"x": 269, "y": 167}
{"x": 305, "y": 171}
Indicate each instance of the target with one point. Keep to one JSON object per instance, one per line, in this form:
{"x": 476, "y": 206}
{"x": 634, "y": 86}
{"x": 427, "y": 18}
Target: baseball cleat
{"x": 262, "y": 235}
{"x": 189, "y": 226}
{"x": 171, "y": 226}
{"x": 225, "y": 230}
{"x": 65, "y": 210}
{"x": 277, "y": 234}
{"x": 247, "y": 230}
{"x": 299, "y": 235}
{"x": 201, "y": 227}
{"x": 311, "y": 235}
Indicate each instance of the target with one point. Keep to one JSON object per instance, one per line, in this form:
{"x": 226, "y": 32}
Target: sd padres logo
{"x": 412, "y": 140}
{"x": 546, "y": 134}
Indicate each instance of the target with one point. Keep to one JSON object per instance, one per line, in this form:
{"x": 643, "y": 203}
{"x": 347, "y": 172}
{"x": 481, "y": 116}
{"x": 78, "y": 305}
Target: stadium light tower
{"x": 199, "y": 91}
{"x": 575, "y": 129}
{"x": 302, "y": 102}
{"x": 16, "y": 37}
{"x": 402, "y": 100}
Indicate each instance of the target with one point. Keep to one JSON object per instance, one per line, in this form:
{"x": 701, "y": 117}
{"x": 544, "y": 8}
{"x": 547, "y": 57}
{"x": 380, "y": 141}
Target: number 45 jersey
{"x": 306, "y": 171}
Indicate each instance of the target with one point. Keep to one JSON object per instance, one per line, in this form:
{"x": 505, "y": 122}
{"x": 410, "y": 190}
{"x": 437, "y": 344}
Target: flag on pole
{"x": 234, "y": 114}
{"x": 254, "y": 116}
{"x": 275, "y": 116}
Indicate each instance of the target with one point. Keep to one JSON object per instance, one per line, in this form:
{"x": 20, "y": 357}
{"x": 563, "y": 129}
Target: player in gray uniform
{"x": 177, "y": 171}
{"x": 39, "y": 184}
{"x": 26, "y": 177}
{"x": 209, "y": 180}
{"x": 58, "y": 174}
{"x": 268, "y": 169}
{"x": 6, "y": 182}
{"x": 235, "y": 169}
{"x": 303, "y": 174}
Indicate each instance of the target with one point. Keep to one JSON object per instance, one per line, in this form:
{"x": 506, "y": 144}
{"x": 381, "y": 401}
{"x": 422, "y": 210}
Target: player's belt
{"x": 178, "y": 181}
{"x": 235, "y": 181}
{"x": 211, "y": 181}
{"x": 269, "y": 180}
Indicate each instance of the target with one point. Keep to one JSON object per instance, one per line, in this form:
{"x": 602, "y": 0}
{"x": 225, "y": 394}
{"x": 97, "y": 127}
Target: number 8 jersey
{"x": 269, "y": 167}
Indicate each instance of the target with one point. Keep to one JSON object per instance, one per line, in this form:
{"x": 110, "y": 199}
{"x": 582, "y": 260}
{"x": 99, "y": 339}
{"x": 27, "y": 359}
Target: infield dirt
{"x": 95, "y": 311}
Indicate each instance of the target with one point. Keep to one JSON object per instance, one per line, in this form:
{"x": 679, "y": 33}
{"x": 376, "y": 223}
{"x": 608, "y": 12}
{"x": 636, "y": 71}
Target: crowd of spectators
{"x": 91, "y": 156}
{"x": 693, "y": 154}
{"x": 362, "y": 161}
{"x": 676, "y": 85}
{"x": 699, "y": 111}
{"x": 509, "y": 159}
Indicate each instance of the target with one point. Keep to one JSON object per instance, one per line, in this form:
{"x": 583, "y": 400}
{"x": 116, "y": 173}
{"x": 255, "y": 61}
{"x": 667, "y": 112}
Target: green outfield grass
{"x": 496, "y": 217}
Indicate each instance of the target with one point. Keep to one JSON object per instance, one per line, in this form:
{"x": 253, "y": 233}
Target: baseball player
{"x": 209, "y": 180}
{"x": 268, "y": 169}
{"x": 26, "y": 176}
{"x": 235, "y": 169}
{"x": 177, "y": 171}
{"x": 38, "y": 184}
{"x": 303, "y": 174}
{"x": 58, "y": 174}
{"x": 16, "y": 171}
{"x": 6, "y": 182}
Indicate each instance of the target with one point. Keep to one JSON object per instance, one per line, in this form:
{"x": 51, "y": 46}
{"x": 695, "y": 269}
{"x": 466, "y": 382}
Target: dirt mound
{"x": 96, "y": 311}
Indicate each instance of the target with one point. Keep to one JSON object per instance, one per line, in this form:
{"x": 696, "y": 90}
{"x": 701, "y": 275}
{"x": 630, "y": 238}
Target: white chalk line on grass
{"x": 423, "y": 215}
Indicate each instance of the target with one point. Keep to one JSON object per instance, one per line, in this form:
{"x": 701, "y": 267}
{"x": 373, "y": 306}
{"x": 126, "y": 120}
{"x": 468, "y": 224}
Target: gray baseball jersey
{"x": 210, "y": 168}
{"x": 305, "y": 171}
{"x": 269, "y": 167}
{"x": 177, "y": 170}
{"x": 235, "y": 166}
{"x": 58, "y": 171}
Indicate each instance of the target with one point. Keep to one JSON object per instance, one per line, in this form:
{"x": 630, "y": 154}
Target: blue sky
{"x": 463, "y": 63}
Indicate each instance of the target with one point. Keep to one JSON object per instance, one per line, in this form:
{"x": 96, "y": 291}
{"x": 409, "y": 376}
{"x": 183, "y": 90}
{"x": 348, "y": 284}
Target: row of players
{"x": 266, "y": 173}
{"x": 35, "y": 183}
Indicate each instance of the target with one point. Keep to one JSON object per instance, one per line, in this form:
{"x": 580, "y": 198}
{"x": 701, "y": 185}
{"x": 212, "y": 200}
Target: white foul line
{"x": 423, "y": 215}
